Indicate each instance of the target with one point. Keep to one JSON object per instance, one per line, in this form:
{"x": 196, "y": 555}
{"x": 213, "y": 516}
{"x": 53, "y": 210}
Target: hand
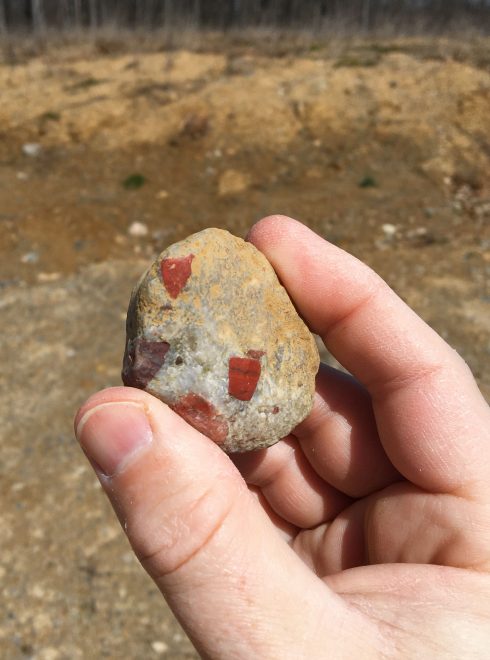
{"x": 365, "y": 534}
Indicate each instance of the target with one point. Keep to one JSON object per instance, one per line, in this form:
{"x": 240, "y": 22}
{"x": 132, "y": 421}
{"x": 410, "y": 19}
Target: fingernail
{"x": 111, "y": 432}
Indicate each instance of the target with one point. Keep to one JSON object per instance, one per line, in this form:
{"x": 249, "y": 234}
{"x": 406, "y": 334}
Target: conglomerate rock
{"x": 212, "y": 333}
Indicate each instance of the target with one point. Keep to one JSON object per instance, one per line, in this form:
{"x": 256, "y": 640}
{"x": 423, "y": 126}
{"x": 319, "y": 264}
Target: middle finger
{"x": 340, "y": 438}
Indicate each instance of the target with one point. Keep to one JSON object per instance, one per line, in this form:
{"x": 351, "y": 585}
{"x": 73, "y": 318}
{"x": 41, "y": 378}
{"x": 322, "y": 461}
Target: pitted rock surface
{"x": 212, "y": 333}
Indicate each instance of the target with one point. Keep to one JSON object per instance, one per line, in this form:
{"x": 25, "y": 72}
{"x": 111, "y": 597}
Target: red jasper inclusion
{"x": 175, "y": 273}
{"x": 203, "y": 416}
{"x": 255, "y": 354}
{"x": 243, "y": 376}
{"x": 142, "y": 360}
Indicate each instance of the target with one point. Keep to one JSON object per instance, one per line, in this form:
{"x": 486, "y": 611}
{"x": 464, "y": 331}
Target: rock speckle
{"x": 212, "y": 333}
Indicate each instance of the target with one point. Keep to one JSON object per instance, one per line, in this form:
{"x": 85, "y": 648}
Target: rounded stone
{"x": 212, "y": 333}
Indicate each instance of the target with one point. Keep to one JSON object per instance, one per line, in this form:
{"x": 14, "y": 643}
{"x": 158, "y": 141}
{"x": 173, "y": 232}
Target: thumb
{"x": 237, "y": 588}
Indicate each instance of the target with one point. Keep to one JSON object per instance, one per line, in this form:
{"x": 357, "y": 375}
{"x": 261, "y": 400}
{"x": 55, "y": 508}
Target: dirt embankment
{"x": 383, "y": 149}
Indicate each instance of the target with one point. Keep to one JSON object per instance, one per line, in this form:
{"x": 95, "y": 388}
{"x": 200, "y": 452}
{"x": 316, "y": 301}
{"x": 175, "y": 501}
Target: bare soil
{"x": 383, "y": 148}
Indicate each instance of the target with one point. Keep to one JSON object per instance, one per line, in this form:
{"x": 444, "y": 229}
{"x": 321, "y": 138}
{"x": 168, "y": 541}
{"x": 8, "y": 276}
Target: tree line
{"x": 39, "y": 15}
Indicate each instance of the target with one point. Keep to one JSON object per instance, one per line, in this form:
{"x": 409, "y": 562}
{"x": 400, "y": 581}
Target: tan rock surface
{"x": 213, "y": 333}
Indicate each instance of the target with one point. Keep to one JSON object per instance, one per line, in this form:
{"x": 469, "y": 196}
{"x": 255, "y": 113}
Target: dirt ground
{"x": 105, "y": 158}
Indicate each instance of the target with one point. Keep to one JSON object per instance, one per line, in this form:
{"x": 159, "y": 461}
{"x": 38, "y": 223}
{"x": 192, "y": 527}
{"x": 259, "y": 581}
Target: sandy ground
{"x": 382, "y": 148}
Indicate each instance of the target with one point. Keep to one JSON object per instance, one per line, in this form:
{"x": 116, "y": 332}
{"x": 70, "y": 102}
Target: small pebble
{"x": 47, "y": 277}
{"x": 32, "y": 149}
{"x": 159, "y": 647}
{"x": 138, "y": 229}
{"x": 389, "y": 230}
{"x": 30, "y": 257}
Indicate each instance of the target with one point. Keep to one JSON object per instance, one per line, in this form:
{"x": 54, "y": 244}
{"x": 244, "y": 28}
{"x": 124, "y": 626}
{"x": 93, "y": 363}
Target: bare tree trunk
{"x": 111, "y": 12}
{"x": 65, "y": 16}
{"x": 38, "y": 22}
{"x": 168, "y": 21}
{"x": 3, "y": 20}
{"x": 170, "y": 13}
{"x": 139, "y": 13}
{"x": 196, "y": 14}
{"x": 167, "y": 13}
{"x": 93, "y": 18}
{"x": 148, "y": 13}
{"x": 77, "y": 13}
{"x": 366, "y": 15}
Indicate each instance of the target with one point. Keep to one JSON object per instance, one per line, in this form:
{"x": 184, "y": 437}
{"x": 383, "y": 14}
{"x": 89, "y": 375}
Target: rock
{"x": 159, "y": 647}
{"x": 30, "y": 257}
{"x": 48, "y": 277}
{"x": 211, "y": 332}
{"x": 137, "y": 229}
{"x": 389, "y": 230}
{"x": 32, "y": 149}
{"x": 233, "y": 182}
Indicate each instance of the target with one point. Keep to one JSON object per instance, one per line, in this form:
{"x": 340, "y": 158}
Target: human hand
{"x": 365, "y": 534}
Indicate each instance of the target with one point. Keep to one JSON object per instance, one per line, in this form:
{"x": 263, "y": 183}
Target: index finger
{"x": 431, "y": 417}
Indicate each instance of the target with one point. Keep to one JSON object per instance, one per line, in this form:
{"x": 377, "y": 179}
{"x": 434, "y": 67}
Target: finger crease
{"x": 360, "y": 305}
{"x": 382, "y": 388}
{"x": 207, "y": 540}
{"x": 272, "y": 477}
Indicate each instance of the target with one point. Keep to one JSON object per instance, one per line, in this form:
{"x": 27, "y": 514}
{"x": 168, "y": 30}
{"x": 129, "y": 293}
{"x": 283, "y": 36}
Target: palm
{"x": 399, "y": 524}
{"x": 422, "y": 611}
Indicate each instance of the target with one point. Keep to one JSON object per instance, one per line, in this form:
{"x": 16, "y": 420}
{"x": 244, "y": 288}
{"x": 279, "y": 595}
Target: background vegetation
{"x": 368, "y": 15}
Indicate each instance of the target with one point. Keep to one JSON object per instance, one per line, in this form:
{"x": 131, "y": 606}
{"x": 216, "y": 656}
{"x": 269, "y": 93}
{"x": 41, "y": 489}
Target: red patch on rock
{"x": 256, "y": 355}
{"x": 275, "y": 410}
{"x": 203, "y": 416}
{"x": 142, "y": 360}
{"x": 175, "y": 273}
{"x": 243, "y": 376}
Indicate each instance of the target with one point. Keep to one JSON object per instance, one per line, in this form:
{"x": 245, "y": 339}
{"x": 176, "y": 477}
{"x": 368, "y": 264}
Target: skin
{"x": 365, "y": 534}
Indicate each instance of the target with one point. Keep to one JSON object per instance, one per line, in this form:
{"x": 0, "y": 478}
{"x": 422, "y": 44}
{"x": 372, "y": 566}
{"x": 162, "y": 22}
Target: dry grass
{"x": 466, "y": 44}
